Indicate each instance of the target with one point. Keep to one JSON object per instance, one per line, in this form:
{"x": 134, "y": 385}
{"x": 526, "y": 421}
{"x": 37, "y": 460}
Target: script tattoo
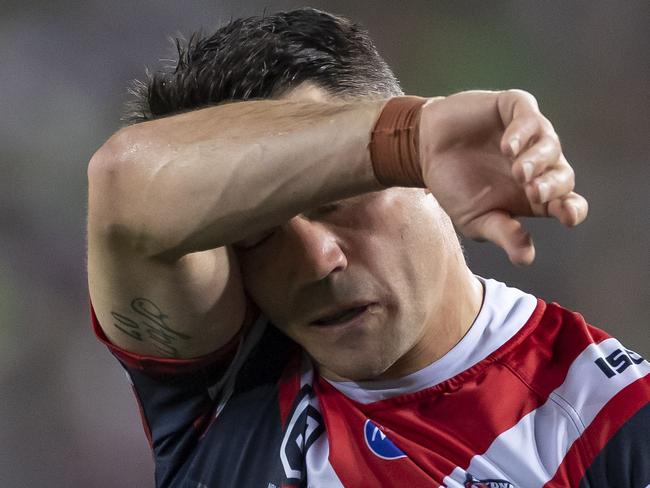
{"x": 151, "y": 323}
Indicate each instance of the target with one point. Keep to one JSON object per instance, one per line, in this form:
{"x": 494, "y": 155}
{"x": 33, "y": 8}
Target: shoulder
{"x": 559, "y": 343}
{"x": 579, "y": 367}
{"x": 604, "y": 387}
{"x": 593, "y": 394}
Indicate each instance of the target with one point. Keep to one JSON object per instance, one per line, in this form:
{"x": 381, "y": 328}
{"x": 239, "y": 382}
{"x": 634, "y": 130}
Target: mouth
{"x": 343, "y": 316}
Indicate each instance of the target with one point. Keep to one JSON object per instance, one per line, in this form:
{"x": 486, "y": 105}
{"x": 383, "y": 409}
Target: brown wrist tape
{"x": 394, "y": 144}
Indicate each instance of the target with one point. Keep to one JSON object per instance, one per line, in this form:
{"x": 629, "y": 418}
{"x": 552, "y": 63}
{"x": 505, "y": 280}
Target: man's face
{"x": 357, "y": 283}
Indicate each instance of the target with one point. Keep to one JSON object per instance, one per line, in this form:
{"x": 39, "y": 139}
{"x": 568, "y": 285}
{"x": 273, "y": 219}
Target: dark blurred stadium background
{"x": 67, "y": 417}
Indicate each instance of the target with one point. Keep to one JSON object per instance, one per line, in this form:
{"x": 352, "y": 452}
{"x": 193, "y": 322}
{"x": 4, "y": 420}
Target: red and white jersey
{"x": 532, "y": 396}
{"x": 529, "y": 398}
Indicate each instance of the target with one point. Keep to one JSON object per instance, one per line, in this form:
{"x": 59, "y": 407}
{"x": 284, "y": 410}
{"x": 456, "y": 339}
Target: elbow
{"x": 110, "y": 160}
{"x": 112, "y": 205}
{"x": 106, "y": 176}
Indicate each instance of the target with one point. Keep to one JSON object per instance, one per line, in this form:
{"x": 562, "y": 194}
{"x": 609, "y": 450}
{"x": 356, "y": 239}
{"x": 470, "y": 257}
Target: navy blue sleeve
{"x": 624, "y": 462}
{"x": 176, "y": 397}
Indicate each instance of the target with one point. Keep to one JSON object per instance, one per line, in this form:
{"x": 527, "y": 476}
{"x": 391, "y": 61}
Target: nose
{"x": 315, "y": 250}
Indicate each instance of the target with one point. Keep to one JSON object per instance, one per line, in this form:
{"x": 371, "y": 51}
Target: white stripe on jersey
{"x": 320, "y": 473}
{"x": 504, "y": 312}
{"x": 533, "y": 449}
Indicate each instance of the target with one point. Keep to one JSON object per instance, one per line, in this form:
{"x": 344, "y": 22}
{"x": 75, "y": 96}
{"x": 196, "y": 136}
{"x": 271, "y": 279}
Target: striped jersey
{"x": 532, "y": 396}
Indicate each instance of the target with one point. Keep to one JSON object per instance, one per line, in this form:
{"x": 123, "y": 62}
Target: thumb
{"x": 509, "y": 234}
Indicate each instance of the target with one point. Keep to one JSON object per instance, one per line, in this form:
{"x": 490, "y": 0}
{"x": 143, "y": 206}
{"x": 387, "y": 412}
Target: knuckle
{"x": 524, "y": 95}
{"x": 537, "y": 123}
{"x": 530, "y": 127}
{"x": 548, "y": 152}
{"x": 565, "y": 175}
{"x": 551, "y": 179}
{"x": 563, "y": 181}
{"x": 549, "y": 132}
{"x": 571, "y": 176}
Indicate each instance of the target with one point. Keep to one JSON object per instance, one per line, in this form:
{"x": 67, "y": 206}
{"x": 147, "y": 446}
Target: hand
{"x": 489, "y": 157}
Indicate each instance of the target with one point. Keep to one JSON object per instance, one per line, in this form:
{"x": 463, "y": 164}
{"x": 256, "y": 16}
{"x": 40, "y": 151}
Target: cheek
{"x": 262, "y": 283}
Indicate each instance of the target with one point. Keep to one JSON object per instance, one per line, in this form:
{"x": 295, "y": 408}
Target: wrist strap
{"x": 394, "y": 144}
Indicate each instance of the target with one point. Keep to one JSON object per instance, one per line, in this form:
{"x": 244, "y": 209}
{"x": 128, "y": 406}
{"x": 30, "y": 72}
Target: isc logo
{"x": 618, "y": 361}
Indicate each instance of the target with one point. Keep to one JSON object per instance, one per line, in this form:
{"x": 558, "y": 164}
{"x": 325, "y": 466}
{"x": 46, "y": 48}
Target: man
{"x": 282, "y": 281}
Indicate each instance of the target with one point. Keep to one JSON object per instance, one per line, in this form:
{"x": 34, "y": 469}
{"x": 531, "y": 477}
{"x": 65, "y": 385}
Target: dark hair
{"x": 263, "y": 57}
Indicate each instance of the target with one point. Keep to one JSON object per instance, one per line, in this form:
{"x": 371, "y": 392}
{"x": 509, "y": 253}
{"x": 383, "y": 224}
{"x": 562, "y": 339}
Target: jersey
{"x": 532, "y": 396}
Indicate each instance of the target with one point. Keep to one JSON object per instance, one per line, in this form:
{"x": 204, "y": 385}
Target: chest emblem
{"x": 379, "y": 444}
{"x": 471, "y": 482}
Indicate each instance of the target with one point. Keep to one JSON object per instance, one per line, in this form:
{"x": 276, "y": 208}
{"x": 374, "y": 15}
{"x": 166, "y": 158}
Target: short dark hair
{"x": 263, "y": 57}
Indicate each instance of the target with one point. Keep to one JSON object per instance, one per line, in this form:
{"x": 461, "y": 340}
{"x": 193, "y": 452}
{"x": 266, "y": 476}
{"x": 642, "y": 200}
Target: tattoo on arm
{"x": 150, "y": 323}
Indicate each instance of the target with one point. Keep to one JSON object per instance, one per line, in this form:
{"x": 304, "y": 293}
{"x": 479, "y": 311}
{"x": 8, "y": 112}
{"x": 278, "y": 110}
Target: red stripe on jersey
{"x": 446, "y": 425}
{"x": 543, "y": 357}
{"x": 462, "y": 416}
{"x": 351, "y": 459}
{"x": 609, "y": 420}
{"x": 288, "y": 387}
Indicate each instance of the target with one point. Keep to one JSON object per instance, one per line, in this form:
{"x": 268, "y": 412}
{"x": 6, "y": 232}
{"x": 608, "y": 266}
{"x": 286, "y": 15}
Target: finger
{"x": 519, "y": 134}
{"x": 521, "y": 117}
{"x": 537, "y": 159}
{"x": 570, "y": 209}
{"x": 556, "y": 182}
{"x": 507, "y": 233}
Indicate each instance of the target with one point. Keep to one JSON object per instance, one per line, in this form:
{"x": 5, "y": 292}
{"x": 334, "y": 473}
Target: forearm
{"x": 207, "y": 178}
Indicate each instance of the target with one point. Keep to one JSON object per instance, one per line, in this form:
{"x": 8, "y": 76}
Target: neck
{"x": 457, "y": 306}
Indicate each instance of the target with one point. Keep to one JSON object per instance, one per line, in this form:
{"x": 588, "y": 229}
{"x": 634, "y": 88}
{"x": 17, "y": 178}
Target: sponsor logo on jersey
{"x": 471, "y": 482}
{"x": 379, "y": 444}
{"x": 303, "y": 429}
{"x": 617, "y": 362}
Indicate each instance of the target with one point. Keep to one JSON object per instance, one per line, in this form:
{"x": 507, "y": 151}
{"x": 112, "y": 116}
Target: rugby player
{"x": 273, "y": 258}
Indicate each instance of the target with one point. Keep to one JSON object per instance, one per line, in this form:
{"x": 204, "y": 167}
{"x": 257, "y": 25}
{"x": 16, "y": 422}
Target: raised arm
{"x": 169, "y": 197}
{"x": 166, "y": 198}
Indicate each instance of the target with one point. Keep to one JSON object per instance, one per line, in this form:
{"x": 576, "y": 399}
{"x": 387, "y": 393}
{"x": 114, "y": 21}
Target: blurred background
{"x": 67, "y": 415}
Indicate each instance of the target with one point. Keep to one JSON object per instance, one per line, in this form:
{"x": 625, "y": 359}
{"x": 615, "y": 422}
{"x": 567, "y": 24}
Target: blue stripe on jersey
{"x": 242, "y": 447}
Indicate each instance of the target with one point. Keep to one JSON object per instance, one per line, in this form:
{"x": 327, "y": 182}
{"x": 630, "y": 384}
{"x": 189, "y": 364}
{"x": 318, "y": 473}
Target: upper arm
{"x": 184, "y": 308}
{"x": 180, "y": 305}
